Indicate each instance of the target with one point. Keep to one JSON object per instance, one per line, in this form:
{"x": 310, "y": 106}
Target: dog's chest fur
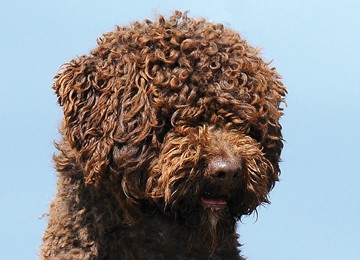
{"x": 98, "y": 233}
{"x": 157, "y": 233}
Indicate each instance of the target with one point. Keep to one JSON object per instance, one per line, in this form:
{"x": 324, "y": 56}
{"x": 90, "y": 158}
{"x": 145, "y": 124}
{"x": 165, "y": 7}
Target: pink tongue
{"x": 214, "y": 203}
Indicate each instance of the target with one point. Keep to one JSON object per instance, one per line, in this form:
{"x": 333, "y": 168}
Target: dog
{"x": 170, "y": 135}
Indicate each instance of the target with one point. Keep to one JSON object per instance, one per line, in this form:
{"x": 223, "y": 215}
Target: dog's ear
{"x": 106, "y": 115}
{"x": 272, "y": 139}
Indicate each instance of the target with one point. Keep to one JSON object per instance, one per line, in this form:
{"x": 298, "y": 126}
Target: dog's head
{"x": 180, "y": 112}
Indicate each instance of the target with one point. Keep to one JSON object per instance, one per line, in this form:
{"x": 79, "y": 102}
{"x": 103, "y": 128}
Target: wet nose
{"x": 224, "y": 168}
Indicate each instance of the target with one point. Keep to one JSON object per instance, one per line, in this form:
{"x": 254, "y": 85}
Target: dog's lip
{"x": 214, "y": 203}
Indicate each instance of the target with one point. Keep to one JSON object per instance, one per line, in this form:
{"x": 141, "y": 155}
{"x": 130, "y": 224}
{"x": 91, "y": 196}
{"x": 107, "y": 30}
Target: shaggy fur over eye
{"x": 170, "y": 135}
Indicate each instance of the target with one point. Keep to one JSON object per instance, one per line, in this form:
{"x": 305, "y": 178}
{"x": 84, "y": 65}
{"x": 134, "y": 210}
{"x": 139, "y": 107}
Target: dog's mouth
{"x": 214, "y": 203}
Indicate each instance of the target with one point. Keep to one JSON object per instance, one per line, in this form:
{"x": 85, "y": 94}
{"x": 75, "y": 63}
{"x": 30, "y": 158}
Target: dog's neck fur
{"x": 97, "y": 230}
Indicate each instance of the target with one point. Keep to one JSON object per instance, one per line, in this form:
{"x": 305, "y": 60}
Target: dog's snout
{"x": 224, "y": 168}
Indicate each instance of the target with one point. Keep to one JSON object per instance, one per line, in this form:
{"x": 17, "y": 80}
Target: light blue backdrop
{"x": 314, "y": 44}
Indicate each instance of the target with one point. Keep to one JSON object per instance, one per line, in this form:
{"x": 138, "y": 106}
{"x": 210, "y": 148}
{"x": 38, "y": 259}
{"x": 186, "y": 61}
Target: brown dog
{"x": 170, "y": 134}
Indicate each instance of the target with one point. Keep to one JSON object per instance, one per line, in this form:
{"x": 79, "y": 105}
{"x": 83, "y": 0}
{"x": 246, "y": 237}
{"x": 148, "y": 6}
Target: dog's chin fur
{"x": 219, "y": 224}
{"x": 210, "y": 227}
{"x": 214, "y": 227}
{"x": 170, "y": 134}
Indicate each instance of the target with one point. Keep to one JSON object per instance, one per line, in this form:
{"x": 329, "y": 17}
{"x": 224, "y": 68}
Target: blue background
{"x": 314, "y": 44}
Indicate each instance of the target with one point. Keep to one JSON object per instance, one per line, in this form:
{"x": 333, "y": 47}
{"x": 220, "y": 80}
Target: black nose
{"x": 224, "y": 168}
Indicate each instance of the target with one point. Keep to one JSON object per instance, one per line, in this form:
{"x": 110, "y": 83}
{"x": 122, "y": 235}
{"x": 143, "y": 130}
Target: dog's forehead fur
{"x": 187, "y": 63}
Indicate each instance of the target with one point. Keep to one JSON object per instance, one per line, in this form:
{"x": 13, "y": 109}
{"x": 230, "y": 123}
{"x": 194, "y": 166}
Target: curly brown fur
{"x": 170, "y": 134}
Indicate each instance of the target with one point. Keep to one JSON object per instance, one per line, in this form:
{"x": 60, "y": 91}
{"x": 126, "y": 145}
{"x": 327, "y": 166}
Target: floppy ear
{"x": 105, "y": 113}
{"x": 272, "y": 140}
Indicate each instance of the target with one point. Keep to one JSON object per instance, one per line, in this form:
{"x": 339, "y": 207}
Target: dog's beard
{"x": 210, "y": 226}
{"x": 214, "y": 225}
{"x": 211, "y": 216}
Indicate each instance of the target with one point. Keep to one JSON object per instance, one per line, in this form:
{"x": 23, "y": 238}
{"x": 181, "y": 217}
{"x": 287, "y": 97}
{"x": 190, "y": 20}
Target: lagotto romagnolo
{"x": 170, "y": 135}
